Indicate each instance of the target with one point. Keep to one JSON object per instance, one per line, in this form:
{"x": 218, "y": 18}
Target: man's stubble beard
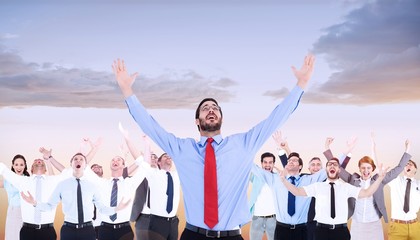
{"x": 210, "y": 127}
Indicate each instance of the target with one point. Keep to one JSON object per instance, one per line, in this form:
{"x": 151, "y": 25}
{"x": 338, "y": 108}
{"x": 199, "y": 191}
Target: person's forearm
{"x": 371, "y": 189}
{"x": 50, "y": 170}
{"x": 292, "y": 188}
{"x": 60, "y": 167}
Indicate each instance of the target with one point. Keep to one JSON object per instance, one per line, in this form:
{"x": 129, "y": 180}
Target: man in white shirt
{"x": 262, "y": 203}
{"x": 36, "y": 224}
{"x": 117, "y": 227}
{"x": 164, "y": 200}
{"x": 331, "y": 201}
{"x": 78, "y": 196}
{"x": 404, "y": 223}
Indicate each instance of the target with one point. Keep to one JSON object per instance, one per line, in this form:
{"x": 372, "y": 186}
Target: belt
{"x": 269, "y": 216}
{"x": 404, "y": 221}
{"x": 331, "y": 226}
{"x": 38, "y": 226}
{"x": 77, "y": 226}
{"x": 164, "y": 218}
{"x": 291, "y": 226}
{"x": 211, "y": 233}
{"x": 115, "y": 226}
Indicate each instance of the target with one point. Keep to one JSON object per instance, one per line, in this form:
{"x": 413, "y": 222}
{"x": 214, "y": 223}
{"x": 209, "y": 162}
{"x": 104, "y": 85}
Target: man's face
{"x": 97, "y": 169}
{"x": 153, "y": 160}
{"x": 78, "y": 163}
{"x": 117, "y": 163}
{"x": 314, "y": 166}
{"x": 210, "y": 118}
{"x": 165, "y": 160}
{"x": 410, "y": 170}
{"x": 38, "y": 167}
{"x": 293, "y": 164}
{"x": 267, "y": 164}
{"x": 333, "y": 169}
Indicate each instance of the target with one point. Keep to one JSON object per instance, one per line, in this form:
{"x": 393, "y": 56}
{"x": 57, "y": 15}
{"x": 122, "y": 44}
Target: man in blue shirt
{"x": 233, "y": 154}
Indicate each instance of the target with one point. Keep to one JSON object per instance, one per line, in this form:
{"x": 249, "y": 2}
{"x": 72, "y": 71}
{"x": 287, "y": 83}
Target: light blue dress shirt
{"x": 281, "y": 194}
{"x": 13, "y": 194}
{"x": 234, "y": 159}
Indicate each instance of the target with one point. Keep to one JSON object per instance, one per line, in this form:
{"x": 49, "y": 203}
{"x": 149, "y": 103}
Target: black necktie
{"x": 114, "y": 197}
{"x": 332, "y": 194}
{"x": 94, "y": 212}
{"x": 170, "y": 193}
{"x": 291, "y": 208}
{"x": 407, "y": 196}
{"x": 79, "y": 202}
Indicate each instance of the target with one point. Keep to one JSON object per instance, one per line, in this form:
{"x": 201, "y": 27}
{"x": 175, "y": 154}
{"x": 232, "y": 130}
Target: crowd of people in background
{"x": 284, "y": 202}
{"x": 214, "y": 174}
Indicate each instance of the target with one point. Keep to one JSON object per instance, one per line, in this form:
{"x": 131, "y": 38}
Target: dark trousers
{"x": 311, "y": 226}
{"x": 70, "y": 233}
{"x": 190, "y": 235}
{"x": 286, "y": 233}
{"x": 27, "y": 233}
{"x": 142, "y": 227}
{"x": 332, "y": 234}
{"x": 163, "y": 228}
{"x": 109, "y": 233}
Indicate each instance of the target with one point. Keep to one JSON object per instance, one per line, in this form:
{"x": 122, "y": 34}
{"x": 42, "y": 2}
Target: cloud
{"x": 375, "y": 52}
{"x": 31, "y": 84}
{"x": 8, "y": 36}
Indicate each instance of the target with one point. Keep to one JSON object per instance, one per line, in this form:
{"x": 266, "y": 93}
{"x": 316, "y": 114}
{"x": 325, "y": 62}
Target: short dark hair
{"x": 268, "y": 154}
{"x": 333, "y": 159}
{"x": 295, "y": 154}
{"x": 415, "y": 165}
{"x": 78, "y": 154}
{"x": 197, "y": 111}
{"x": 161, "y": 156}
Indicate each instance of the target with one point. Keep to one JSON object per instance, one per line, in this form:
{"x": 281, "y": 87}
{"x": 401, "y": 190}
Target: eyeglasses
{"x": 334, "y": 164}
{"x": 213, "y": 107}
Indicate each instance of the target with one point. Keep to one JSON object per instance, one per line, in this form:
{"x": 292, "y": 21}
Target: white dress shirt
{"x": 66, "y": 192}
{"x": 321, "y": 191}
{"x": 364, "y": 210}
{"x": 158, "y": 183}
{"x": 398, "y": 187}
{"x": 28, "y": 184}
{"x": 126, "y": 189}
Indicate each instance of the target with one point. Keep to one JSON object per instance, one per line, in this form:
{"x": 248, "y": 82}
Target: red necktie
{"x": 211, "y": 212}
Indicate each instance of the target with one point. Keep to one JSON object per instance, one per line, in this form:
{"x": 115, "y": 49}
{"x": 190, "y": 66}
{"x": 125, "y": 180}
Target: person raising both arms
{"x": 213, "y": 171}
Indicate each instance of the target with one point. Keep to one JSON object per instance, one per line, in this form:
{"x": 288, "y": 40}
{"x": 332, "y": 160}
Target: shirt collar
{"x": 218, "y": 139}
{"x": 35, "y": 176}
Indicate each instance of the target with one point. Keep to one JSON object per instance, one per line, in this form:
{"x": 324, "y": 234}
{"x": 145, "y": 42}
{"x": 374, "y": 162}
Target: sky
{"x": 57, "y": 84}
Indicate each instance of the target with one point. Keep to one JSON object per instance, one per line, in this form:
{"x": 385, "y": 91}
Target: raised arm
{"x": 94, "y": 147}
{"x": 124, "y": 80}
{"x": 373, "y": 148}
{"x": 328, "y": 153}
{"x": 297, "y": 191}
{"x": 283, "y": 146}
{"x": 372, "y": 188}
{"x": 131, "y": 147}
{"x": 50, "y": 160}
{"x": 305, "y": 72}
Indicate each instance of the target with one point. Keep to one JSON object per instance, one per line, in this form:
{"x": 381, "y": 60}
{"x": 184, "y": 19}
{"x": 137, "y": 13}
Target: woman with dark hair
{"x": 14, "y": 216}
